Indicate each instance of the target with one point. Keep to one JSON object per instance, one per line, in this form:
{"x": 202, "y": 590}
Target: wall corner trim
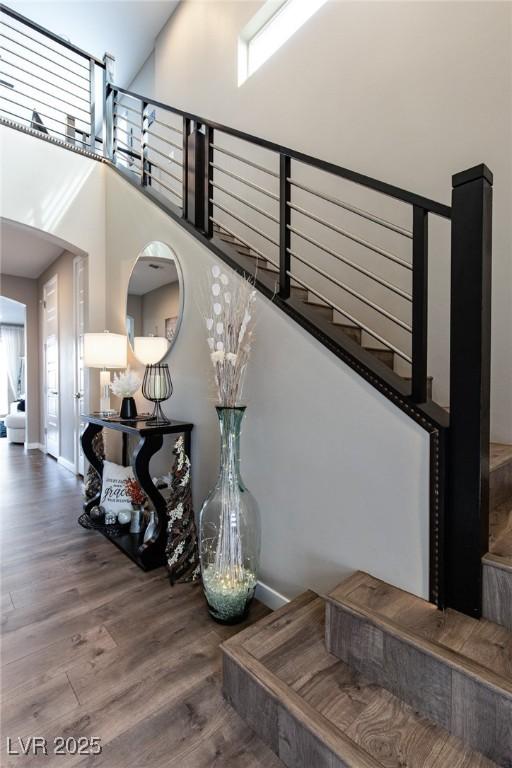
{"x": 67, "y": 464}
{"x": 270, "y": 597}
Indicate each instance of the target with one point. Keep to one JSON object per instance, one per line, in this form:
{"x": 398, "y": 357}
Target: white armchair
{"x": 15, "y": 424}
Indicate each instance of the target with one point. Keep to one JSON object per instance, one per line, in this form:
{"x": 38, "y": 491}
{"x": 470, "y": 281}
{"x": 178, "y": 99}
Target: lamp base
{"x": 158, "y": 415}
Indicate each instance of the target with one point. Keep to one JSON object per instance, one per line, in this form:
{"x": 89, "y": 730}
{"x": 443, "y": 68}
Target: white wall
{"x": 341, "y": 475}
{"x": 409, "y": 93}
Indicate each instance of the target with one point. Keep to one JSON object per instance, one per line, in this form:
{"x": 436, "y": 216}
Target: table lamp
{"x": 157, "y": 384}
{"x": 105, "y": 350}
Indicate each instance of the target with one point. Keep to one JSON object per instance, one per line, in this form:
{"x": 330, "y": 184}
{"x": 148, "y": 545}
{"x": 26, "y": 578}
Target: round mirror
{"x": 154, "y": 304}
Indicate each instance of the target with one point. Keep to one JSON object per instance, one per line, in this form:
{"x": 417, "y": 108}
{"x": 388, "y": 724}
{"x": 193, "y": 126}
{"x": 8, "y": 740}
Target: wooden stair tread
{"x": 482, "y": 648}
{"x": 361, "y": 723}
{"x": 500, "y": 454}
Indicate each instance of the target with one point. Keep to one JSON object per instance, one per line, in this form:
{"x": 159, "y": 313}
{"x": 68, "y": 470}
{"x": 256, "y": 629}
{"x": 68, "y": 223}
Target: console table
{"x": 151, "y": 554}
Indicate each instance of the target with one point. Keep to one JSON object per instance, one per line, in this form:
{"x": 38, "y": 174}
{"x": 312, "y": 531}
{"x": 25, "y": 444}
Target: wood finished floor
{"x": 92, "y": 646}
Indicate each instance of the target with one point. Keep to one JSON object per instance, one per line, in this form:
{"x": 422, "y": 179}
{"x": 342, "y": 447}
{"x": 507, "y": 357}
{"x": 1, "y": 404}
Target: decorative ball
{"x": 124, "y": 516}
{"x": 96, "y": 513}
{"x": 110, "y": 518}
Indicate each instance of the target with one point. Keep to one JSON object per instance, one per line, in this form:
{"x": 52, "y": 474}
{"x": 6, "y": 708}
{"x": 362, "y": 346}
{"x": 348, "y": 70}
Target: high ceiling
{"x": 127, "y": 29}
{"x": 24, "y": 252}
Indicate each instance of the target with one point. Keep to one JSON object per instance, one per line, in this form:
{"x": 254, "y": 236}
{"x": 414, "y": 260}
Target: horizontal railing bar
{"x": 357, "y": 178}
{"x": 124, "y": 144}
{"x": 46, "y": 58}
{"x": 244, "y": 242}
{"x": 245, "y": 181}
{"x": 166, "y": 125}
{"x": 45, "y": 69}
{"x": 51, "y": 35}
{"x": 43, "y": 80}
{"x": 51, "y": 106}
{"x": 43, "y": 114}
{"x": 245, "y": 223}
{"x": 353, "y": 209}
{"x": 352, "y": 319}
{"x": 245, "y": 202}
{"x": 158, "y": 151}
{"x": 116, "y": 115}
{"x": 129, "y": 109}
{"x": 51, "y": 95}
{"x": 161, "y": 138}
{"x": 159, "y": 181}
{"x": 351, "y": 236}
{"x": 353, "y": 292}
{"x": 350, "y": 263}
{"x": 244, "y": 160}
{"x": 172, "y": 175}
{"x": 50, "y": 131}
{"x": 123, "y": 130}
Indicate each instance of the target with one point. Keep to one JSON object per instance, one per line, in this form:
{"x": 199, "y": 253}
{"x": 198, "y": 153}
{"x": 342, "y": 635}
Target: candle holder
{"x": 157, "y": 387}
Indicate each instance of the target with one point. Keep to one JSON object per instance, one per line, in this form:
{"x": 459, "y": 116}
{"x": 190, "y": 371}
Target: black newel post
{"x": 419, "y": 304}
{"x": 284, "y": 224}
{"x": 196, "y": 153}
{"x": 467, "y": 524}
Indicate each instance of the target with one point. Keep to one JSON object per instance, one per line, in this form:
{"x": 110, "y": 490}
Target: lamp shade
{"x": 105, "y": 350}
{"x": 150, "y": 349}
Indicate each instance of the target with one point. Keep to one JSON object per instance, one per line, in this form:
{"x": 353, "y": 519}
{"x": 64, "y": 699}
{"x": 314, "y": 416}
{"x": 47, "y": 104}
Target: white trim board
{"x": 270, "y": 597}
{"x": 35, "y": 447}
{"x": 69, "y": 465}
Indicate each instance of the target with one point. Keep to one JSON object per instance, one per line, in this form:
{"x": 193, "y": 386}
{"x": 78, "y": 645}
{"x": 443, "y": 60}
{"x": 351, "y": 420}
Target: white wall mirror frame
{"x": 154, "y": 303}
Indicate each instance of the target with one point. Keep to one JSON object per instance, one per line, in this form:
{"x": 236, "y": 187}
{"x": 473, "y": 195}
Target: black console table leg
{"x": 151, "y": 552}
{"x": 87, "y": 439}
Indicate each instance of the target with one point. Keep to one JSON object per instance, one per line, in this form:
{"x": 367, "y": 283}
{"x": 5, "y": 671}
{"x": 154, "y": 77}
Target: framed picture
{"x": 170, "y": 327}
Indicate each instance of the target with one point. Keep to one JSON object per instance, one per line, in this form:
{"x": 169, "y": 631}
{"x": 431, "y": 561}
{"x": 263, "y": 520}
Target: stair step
{"x": 386, "y": 356}
{"x": 314, "y": 711}
{"x": 497, "y": 589}
{"x": 455, "y": 670}
{"x": 352, "y": 331}
{"x": 429, "y": 385}
{"x": 501, "y": 474}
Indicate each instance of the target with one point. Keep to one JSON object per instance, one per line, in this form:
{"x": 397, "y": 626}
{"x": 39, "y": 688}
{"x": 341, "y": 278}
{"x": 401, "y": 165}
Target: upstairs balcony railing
{"x": 311, "y": 233}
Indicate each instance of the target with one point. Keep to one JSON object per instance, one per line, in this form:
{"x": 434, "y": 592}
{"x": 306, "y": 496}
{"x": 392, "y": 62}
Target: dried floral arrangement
{"x": 229, "y": 318}
{"x": 135, "y": 492}
{"x": 125, "y": 384}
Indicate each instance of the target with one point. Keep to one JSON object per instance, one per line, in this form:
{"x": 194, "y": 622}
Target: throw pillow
{"x": 114, "y": 496}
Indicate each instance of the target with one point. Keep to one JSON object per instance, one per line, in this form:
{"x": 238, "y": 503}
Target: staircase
{"x": 370, "y": 676}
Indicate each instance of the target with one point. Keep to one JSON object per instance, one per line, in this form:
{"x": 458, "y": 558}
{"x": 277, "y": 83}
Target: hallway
{"x": 94, "y": 647}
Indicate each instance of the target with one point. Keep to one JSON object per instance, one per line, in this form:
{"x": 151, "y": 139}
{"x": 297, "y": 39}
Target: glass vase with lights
{"x": 230, "y": 528}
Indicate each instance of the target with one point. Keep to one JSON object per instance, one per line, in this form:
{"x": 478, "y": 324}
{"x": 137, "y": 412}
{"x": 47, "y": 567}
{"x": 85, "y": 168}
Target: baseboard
{"x": 270, "y": 597}
{"x": 35, "y": 447}
{"x": 67, "y": 464}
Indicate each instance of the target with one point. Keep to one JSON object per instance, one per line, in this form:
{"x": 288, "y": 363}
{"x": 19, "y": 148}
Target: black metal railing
{"x": 310, "y": 233}
{"x": 47, "y": 84}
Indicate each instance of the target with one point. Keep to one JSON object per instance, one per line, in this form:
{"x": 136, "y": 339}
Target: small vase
{"x": 150, "y": 528}
{"x": 128, "y": 408}
{"x": 136, "y": 522}
{"x": 229, "y": 531}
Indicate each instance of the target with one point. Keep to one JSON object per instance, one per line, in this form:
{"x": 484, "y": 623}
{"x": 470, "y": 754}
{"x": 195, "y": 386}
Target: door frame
{"x": 52, "y": 281}
{"x": 77, "y": 261}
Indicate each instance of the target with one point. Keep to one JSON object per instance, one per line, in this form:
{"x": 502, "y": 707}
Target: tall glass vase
{"x": 229, "y": 531}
